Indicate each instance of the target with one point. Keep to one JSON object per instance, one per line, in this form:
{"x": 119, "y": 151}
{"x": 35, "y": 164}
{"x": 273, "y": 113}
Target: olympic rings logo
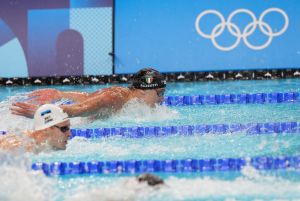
{"x": 236, "y": 31}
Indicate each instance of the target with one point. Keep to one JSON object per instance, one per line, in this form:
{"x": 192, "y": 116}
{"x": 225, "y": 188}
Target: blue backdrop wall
{"x": 55, "y": 37}
{"x": 206, "y": 35}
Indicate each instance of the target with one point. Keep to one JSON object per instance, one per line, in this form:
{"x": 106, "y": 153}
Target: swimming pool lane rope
{"x": 159, "y": 131}
{"x": 167, "y": 166}
{"x": 218, "y": 129}
{"x": 185, "y": 130}
{"x": 256, "y": 98}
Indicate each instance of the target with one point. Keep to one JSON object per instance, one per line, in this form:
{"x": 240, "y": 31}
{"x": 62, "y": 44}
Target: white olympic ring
{"x": 234, "y": 30}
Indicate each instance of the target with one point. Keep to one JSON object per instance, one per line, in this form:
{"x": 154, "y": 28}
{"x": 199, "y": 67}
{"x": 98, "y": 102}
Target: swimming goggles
{"x": 63, "y": 128}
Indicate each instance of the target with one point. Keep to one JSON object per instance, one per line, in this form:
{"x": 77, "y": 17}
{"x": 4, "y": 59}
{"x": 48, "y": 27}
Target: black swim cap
{"x": 151, "y": 179}
{"x": 148, "y": 78}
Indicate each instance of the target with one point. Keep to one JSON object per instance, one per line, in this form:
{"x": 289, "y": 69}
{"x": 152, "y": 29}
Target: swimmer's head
{"x": 52, "y": 126}
{"x": 148, "y": 78}
{"x": 152, "y": 180}
{"x": 48, "y": 115}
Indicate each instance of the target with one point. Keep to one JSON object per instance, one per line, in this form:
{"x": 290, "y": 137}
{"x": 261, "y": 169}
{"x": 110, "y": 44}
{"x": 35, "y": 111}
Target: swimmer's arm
{"x": 43, "y": 96}
{"x": 75, "y": 96}
{"x": 96, "y": 104}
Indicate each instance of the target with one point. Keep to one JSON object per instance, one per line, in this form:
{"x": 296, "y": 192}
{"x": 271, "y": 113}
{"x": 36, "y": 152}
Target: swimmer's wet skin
{"x": 148, "y": 86}
{"x": 51, "y": 130}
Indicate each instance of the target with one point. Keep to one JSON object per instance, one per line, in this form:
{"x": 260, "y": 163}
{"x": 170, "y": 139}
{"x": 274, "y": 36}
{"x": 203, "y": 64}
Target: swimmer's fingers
{"x": 24, "y": 109}
{"x": 22, "y": 112}
{"x": 45, "y": 96}
{"x": 24, "y": 105}
{"x": 38, "y": 100}
{"x": 36, "y": 96}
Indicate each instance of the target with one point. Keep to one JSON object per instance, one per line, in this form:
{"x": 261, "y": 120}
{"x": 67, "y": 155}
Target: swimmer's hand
{"x": 23, "y": 109}
{"x": 44, "y": 96}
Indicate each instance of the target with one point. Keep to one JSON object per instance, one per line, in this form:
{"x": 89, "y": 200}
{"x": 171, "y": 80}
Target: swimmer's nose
{"x": 68, "y": 133}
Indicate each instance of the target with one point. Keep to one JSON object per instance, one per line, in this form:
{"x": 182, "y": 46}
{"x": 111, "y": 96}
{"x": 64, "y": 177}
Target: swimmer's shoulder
{"x": 124, "y": 91}
{"x": 10, "y": 141}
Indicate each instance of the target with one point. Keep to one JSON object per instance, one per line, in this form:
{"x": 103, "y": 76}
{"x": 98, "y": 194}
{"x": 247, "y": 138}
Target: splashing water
{"x": 122, "y": 189}
{"x": 19, "y": 183}
{"x": 13, "y": 123}
{"x": 137, "y": 113}
{"x": 251, "y": 185}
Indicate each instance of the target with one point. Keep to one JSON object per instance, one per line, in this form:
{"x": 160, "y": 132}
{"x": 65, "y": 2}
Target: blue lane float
{"x": 186, "y": 130}
{"x": 167, "y": 166}
{"x": 218, "y": 129}
{"x": 256, "y": 98}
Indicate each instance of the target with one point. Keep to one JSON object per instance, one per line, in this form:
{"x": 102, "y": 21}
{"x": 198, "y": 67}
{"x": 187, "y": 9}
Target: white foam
{"x": 13, "y": 123}
{"x": 111, "y": 149}
{"x": 19, "y": 183}
{"x": 261, "y": 188}
{"x": 139, "y": 112}
{"x": 208, "y": 187}
{"x": 123, "y": 189}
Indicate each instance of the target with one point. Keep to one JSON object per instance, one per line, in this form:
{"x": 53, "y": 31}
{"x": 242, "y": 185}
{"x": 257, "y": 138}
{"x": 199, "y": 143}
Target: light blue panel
{"x": 163, "y": 34}
{"x": 43, "y": 28}
{"x": 12, "y": 60}
{"x": 95, "y": 26}
{"x": 90, "y": 3}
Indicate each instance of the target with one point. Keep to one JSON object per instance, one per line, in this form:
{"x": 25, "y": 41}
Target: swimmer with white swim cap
{"x": 51, "y": 129}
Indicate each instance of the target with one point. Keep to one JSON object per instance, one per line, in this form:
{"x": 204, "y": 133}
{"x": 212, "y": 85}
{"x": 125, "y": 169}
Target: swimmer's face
{"x": 59, "y": 135}
{"x": 154, "y": 96}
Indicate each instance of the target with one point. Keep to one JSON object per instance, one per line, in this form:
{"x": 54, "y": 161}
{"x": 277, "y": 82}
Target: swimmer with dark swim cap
{"x": 148, "y": 86}
{"x": 150, "y": 179}
{"x": 148, "y": 78}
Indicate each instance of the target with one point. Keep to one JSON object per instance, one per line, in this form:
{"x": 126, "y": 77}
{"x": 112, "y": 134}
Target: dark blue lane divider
{"x": 157, "y": 131}
{"x": 257, "y": 98}
{"x": 167, "y": 166}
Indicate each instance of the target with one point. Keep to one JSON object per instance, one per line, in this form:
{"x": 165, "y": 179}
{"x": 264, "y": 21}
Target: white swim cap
{"x": 48, "y": 115}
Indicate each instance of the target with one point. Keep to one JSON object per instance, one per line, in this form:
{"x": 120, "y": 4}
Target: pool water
{"x": 248, "y": 184}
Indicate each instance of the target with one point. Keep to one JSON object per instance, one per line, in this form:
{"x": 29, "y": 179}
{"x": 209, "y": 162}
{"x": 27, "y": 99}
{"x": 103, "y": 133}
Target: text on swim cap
{"x": 149, "y": 85}
{"x": 48, "y": 119}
